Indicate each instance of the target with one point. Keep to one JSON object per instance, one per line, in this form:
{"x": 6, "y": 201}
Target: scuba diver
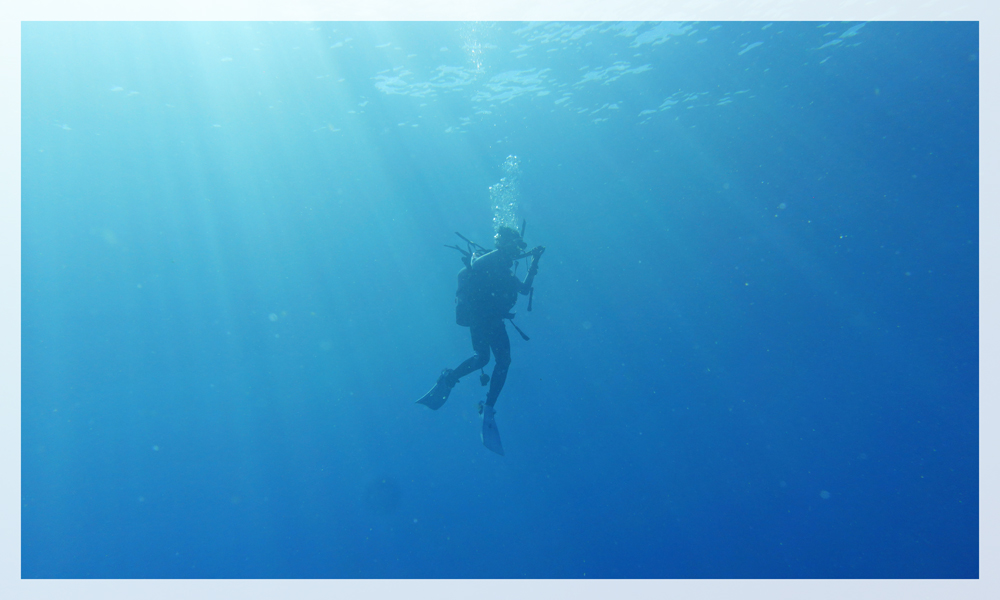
{"x": 487, "y": 291}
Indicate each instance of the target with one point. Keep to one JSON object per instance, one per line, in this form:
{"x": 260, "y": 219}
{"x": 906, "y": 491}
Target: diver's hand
{"x": 536, "y": 253}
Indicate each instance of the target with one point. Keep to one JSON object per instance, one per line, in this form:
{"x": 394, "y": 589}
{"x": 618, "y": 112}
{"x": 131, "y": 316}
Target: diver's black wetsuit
{"x": 490, "y": 291}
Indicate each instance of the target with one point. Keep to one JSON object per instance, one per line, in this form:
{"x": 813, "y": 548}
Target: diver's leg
{"x": 481, "y": 344}
{"x": 438, "y": 395}
{"x": 500, "y": 344}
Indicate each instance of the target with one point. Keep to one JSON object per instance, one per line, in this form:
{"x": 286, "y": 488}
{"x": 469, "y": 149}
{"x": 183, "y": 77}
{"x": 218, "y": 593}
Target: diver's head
{"x": 507, "y": 238}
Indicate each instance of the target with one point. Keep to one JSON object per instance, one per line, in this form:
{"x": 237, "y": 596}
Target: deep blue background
{"x": 755, "y": 330}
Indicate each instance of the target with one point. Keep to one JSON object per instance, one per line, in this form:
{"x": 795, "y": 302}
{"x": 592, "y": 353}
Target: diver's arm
{"x": 529, "y": 279}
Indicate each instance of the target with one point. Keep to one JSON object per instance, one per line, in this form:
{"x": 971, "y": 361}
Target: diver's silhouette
{"x": 487, "y": 291}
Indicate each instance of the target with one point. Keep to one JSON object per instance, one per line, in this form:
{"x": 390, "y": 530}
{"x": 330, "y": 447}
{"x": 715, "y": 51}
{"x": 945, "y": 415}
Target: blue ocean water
{"x": 754, "y": 332}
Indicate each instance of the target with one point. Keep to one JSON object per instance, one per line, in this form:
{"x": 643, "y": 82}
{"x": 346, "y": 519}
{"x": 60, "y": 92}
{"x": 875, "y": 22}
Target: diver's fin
{"x": 491, "y": 435}
{"x": 438, "y": 395}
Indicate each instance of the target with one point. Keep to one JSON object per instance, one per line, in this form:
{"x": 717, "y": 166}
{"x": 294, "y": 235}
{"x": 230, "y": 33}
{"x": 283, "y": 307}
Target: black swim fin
{"x": 438, "y": 395}
{"x": 490, "y": 434}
